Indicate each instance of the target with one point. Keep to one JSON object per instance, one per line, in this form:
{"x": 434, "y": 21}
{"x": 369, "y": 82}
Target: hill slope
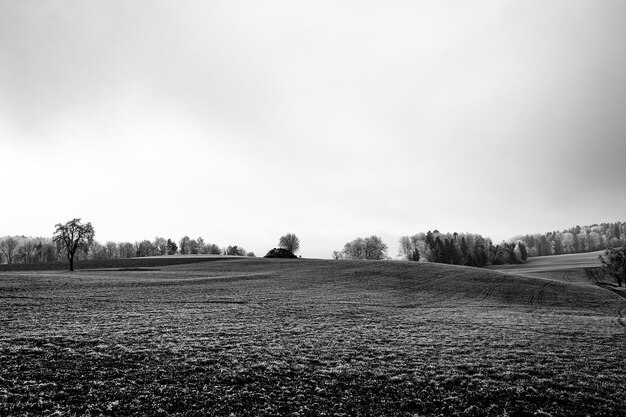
{"x": 579, "y": 268}
{"x": 552, "y": 266}
{"x": 267, "y": 337}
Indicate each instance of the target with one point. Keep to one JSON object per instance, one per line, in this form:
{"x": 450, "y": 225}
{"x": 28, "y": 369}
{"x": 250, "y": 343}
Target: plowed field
{"x": 308, "y": 337}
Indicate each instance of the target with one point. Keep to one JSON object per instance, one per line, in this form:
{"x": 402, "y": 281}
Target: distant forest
{"x": 475, "y": 250}
{"x": 577, "y": 239}
{"x": 460, "y": 249}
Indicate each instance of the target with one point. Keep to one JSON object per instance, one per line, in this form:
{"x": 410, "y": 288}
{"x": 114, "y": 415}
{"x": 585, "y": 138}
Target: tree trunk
{"x": 70, "y": 257}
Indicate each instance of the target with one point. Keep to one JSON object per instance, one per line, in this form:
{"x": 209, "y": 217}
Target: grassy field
{"x": 552, "y": 266}
{"x": 579, "y": 268}
{"x": 308, "y": 337}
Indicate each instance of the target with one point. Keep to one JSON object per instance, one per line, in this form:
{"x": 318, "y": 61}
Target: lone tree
{"x": 72, "y": 236}
{"x": 614, "y": 263}
{"x": 289, "y": 242}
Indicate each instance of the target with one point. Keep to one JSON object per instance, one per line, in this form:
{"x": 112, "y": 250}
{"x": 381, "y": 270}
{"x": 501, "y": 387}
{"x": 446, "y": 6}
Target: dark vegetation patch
{"x": 599, "y": 276}
{"x": 273, "y": 337}
{"x": 280, "y": 253}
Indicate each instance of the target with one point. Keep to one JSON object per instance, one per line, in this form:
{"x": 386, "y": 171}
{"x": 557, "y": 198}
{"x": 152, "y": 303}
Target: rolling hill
{"x": 579, "y": 268}
{"x": 551, "y": 266}
{"x": 307, "y": 337}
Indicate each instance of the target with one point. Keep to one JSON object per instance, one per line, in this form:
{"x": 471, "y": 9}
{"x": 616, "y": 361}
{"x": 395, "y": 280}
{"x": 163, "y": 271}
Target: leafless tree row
{"x": 22, "y": 249}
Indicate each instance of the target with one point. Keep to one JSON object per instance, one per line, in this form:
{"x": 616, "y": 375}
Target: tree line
{"x": 369, "y": 248}
{"x": 578, "y": 239}
{"x": 466, "y": 249}
{"x": 452, "y": 248}
{"x": 22, "y": 249}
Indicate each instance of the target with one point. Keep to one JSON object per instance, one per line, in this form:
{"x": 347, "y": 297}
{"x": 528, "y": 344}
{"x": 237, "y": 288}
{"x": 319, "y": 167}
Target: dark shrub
{"x": 280, "y": 253}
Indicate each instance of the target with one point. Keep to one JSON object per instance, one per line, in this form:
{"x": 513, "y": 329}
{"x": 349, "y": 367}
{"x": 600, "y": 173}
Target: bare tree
{"x": 161, "y": 245}
{"x": 371, "y": 248}
{"x": 184, "y": 245}
{"x": 409, "y": 248}
{"x": 235, "y": 251}
{"x": 201, "y": 246}
{"x": 126, "y": 250}
{"x": 47, "y": 252}
{"x": 213, "y": 249}
{"x": 27, "y": 250}
{"x": 193, "y": 246}
{"x": 111, "y": 249}
{"x": 289, "y": 242}
{"x": 145, "y": 248}
{"x": 354, "y": 249}
{"x": 375, "y": 248}
{"x": 8, "y": 247}
{"x": 97, "y": 250}
{"x": 72, "y": 236}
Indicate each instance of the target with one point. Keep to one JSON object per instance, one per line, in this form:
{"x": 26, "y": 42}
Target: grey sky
{"x": 243, "y": 121}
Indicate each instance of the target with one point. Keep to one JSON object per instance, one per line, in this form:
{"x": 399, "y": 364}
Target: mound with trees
{"x": 289, "y": 242}
{"x": 280, "y": 253}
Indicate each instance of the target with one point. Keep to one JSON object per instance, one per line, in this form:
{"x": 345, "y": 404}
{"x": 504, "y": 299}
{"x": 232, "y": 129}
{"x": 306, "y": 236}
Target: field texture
{"x": 308, "y": 337}
{"x": 551, "y": 266}
{"x": 578, "y": 268}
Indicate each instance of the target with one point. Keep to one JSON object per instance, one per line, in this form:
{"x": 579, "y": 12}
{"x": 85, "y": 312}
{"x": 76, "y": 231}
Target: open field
{"x": 579, "y": 268}
{"x": 540, "y": 266}
{"x": 308, "y": 337}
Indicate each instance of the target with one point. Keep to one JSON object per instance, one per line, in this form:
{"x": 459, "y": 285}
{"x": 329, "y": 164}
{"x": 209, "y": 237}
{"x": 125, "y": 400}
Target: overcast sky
{"x": 241, "y": 121}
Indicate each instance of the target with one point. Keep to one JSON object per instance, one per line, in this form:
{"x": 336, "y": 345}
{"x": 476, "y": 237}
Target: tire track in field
{"x": 621, "y": 294}
{"x": 542, "y": 293}
{"x": 537, "y": 296}
{"x": 595, "y": 276}
{"x": 620, "y": 317}
{"x": 566, "y": 276}
{"x": 531, "y": 297}
{"x": 487, "y": 293}
{"x": 620, "y": 313}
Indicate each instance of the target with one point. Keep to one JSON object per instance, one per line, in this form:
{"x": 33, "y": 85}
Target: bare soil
{"x": 252, "y": 337}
